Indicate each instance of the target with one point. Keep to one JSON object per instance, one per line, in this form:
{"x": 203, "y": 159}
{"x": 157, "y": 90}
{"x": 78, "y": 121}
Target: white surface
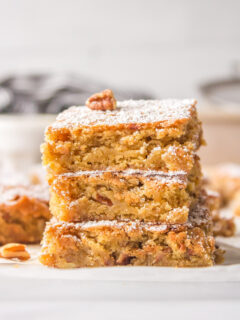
{"x": 118, "y": 310}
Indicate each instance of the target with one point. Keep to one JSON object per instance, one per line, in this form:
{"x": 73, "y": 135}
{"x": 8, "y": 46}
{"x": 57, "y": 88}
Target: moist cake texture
{"x": 24, "y": 211}
{"x": 118, "y": 195}
{"x": 146, "y": 135}
{"x": 110, "y": 243}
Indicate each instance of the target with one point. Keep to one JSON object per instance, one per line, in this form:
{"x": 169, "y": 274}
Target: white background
{"x": 165, "y": 47}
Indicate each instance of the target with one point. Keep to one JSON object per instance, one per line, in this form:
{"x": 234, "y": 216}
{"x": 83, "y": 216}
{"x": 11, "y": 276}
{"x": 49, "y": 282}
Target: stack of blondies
{"x": 126, "y": 186}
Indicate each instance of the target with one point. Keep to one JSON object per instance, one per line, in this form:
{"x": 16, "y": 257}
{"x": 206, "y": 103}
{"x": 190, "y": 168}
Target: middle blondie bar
{"x": 126, "y": 195}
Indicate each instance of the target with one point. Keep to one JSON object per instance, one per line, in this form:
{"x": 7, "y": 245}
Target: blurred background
{"x": 56, "y": 53}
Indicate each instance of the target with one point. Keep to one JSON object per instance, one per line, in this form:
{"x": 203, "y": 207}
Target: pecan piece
{"x": 124, "y": 259}
{"x": 104, "y": 200}
{"x": 104, "y": 100}
{"x": 14, "y": 251}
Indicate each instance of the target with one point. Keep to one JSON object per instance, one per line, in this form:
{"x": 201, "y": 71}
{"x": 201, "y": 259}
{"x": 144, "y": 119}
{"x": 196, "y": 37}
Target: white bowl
{"x": 21, "y": 136}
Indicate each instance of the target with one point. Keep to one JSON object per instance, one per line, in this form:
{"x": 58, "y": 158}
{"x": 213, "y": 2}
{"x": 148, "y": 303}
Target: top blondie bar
{"x": 145, "y": 134}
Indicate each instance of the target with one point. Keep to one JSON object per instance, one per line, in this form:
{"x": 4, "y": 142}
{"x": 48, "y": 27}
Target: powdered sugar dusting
{"x": 130, "y": 111}
{"x": 197, "y": 217}
{"x": 173, "y": 150}
{"x": 163, "y": 177}
{"x": 10, "y": 194}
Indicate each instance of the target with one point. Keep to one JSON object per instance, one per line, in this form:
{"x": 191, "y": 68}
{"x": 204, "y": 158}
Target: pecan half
{"x": 104, "y": 100}
{"x": 14, "y": 251}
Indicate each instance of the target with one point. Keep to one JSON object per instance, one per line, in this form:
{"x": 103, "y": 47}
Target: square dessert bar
{"x": 24, "y": 211}
{"x": 222, "y": 226}
{"x": 225, "y": 179}
{"x": 111, "y": 243}
{"x": 123, "y": 195}
{"x": 146, "y": 135}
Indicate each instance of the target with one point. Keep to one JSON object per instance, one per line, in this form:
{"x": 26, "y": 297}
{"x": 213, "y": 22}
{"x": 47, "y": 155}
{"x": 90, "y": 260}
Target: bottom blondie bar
{"x": 110, "y": 243}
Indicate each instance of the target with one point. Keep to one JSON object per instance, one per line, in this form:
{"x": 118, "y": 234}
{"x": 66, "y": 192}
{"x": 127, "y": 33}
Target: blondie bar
{"x": 119, "y": 195}
{"x": 225, "y": 179}
{"x": 222, "y": 225}
{"x": 110, "y": 243}
{"x": 146, "y": 135}
{"x": 23, "y": 213}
